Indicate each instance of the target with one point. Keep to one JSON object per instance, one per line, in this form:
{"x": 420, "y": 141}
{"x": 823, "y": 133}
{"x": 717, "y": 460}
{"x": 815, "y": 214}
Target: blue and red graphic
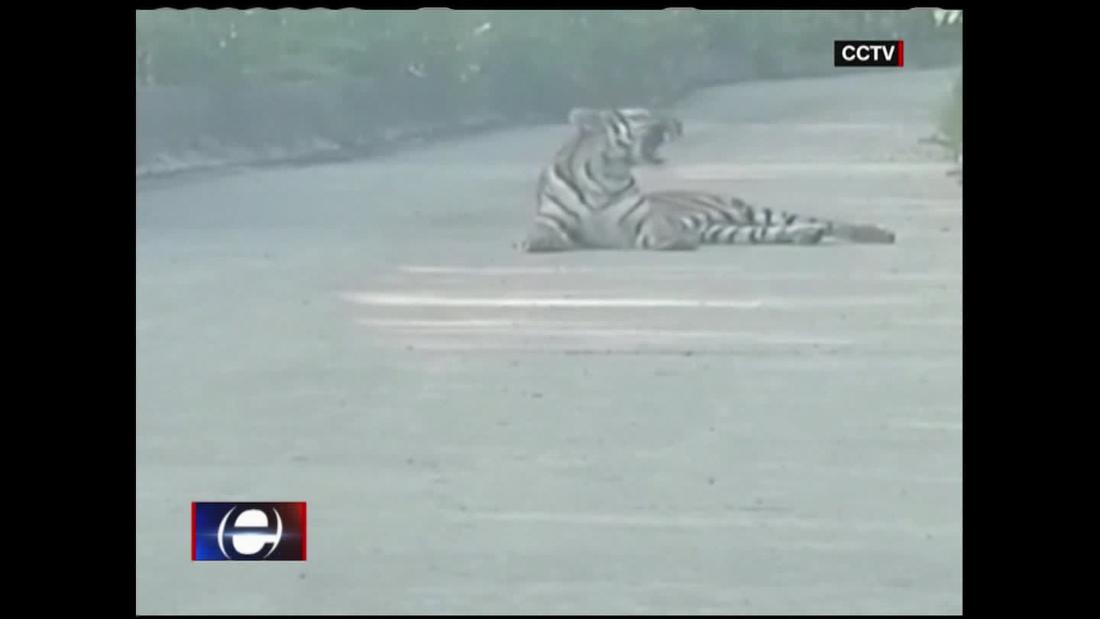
{"x": 248, "y": 531}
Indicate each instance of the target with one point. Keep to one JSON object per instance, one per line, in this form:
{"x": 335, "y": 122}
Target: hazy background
{"x": 228, "y": 85}
{"x": 476, "y": 430}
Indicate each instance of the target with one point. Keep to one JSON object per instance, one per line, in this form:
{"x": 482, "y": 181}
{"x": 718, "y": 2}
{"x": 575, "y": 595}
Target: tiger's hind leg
{"x": 852, "y": 233}
{"x": 798, "y": 224}
{"x": 768, "y": 225}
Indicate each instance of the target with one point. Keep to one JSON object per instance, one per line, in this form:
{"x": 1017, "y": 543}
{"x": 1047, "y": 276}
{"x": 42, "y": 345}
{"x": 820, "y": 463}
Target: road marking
{"x": 491, "y": 327}
{"x": 428, "y": 300}
{"x": 953, "y": 426}
{"x": 692, "y": 521}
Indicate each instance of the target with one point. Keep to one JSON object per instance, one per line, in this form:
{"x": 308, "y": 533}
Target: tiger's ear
{"x": 585, "y": 118}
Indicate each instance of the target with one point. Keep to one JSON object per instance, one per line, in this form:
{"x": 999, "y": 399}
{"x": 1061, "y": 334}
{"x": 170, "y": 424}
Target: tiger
{"x": 588, "y": 198}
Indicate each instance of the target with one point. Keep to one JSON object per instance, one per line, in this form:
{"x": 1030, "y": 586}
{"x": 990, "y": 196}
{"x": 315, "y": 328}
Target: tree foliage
{"x": 521, "y": 58}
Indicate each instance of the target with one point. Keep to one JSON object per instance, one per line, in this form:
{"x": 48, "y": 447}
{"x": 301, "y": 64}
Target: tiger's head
{"x": 631, "y": 136}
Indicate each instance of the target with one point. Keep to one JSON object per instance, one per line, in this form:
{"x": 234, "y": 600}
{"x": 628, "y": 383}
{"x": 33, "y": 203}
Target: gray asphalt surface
{"x": 733, "y": 430}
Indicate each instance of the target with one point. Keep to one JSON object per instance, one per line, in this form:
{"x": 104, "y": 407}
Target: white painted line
{"x": 930, "y": 322}
{"x": 768, "y": 520}
{"x": 454, "y": 324}
{"x": 953, "y": 426}
{"x": 444, "y": 270}
{"x": 438, "y": 301}
{"x": 519, "y": 330}
{"x": 404, "y": 300}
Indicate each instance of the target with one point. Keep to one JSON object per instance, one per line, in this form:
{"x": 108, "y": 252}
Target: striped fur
{"x": 588, "y": 198}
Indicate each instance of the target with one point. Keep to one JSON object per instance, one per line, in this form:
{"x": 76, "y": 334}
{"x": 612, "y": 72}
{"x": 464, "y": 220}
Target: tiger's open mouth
{"x": 657, "y": 137}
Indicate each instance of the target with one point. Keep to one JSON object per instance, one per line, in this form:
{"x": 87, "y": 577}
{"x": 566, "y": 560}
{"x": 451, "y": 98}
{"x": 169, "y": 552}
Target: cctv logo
{"x": 869, "y": 53}
{"x": 248, "y": 531}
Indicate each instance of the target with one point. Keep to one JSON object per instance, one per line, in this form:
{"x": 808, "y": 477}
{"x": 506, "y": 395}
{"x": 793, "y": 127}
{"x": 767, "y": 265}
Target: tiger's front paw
{"x": 543, "y": 239}
{"x": 679, "y": 243}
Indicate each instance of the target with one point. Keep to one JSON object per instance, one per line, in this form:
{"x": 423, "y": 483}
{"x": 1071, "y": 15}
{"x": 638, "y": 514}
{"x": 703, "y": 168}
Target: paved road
{"x": 761, "y": 430}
